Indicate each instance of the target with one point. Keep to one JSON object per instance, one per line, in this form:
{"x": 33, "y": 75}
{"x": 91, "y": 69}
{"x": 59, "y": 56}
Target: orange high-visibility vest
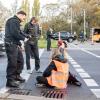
{"x": 59, "y": 78}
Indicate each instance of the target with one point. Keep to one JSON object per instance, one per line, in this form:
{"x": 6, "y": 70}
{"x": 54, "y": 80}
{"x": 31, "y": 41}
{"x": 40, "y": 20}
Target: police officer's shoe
{"x": 20, "y": 79}
{"x": 12, "y": 84}
{"x": 38, "y": 71}
{"x": 48, "y": 49}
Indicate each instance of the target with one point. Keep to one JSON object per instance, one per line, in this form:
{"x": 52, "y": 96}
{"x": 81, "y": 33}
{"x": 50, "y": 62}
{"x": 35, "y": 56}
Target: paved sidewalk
{"x": 3, "y": 65}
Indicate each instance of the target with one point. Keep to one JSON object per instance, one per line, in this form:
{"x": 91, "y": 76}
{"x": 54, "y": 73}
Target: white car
{"x": 2, "y": 46}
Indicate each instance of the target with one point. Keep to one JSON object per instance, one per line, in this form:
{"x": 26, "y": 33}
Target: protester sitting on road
{"x": 60, "y": 56}
{"x": 56, "y": 74}
{"x": 62, "y": 45}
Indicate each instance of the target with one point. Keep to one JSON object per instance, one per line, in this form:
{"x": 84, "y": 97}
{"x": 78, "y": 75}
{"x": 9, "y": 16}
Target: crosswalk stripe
{"x": 96, "y": 92}
{"x": 90, "y": 82}
{"x": 86, "y": 77}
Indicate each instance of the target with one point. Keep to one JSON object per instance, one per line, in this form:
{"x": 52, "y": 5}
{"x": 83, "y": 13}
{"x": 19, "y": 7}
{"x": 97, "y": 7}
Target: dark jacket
{"x": 32, "y": 29}
{"x": 12, "y": 31}
{"x": 52, "y": 66}
{"x": 48, "y": 34}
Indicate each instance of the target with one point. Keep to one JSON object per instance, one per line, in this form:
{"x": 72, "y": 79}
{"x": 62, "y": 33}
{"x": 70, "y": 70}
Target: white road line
{"x": 86, "y": 51}
{"x": 90, "y": 53}
{"x": 84, "y": 75}
{"x": 84, "y": 48}
{"x": 96, "y": 92}
{"x": 76, "y": 66}
{"x": 87, "y": 79}
{"x": 80, "y": 70}
{"x": 74, "y": 63}
{"x": 90, "y": 82}
{"x": 71, "y": 60}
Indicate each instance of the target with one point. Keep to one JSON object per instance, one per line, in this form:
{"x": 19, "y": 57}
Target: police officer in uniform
{"x": 31, "y": 46}
{"x": 13, "y": 35}
{"x": 49, "y": 32}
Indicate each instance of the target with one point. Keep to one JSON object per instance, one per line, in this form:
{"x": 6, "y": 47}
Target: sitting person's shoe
{"x": 19, "y": 78}
{"x": 48, "y": 49}
{"x": 74, "y": 80}
{"x": 12, "y": 84}
{"x": 77, "y": 83}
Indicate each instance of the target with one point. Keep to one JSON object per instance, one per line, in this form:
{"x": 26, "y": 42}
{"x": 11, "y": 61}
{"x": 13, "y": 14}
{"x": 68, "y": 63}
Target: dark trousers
{"x": 30, "y": 50}
{"x": 15, "y": 61}
{"x": 48, "y": 44}
{"x": 43, "y": 80}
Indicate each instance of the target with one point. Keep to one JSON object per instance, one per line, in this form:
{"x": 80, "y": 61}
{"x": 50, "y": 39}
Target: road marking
{"x": 86, "y": 51}
{"x": 71, "y": 60}
{"x": 84, "y": 75}
{"x": 87, "y": 78}
{"x": 77, "y": 66}
{"x": 96, "y": 92}
{"x": 80, "y": 70}
{"x": 90, "y": 53}
{"x": 84, "y": 48}
{"x": 74, "y": 63}
{"x": 90, "y": 82}
{"x": 24, "y": 75}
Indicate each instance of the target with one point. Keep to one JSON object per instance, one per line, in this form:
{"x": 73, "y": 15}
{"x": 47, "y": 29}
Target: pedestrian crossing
{"x": 92, "y": 85}
{"x": 89, "y": 81}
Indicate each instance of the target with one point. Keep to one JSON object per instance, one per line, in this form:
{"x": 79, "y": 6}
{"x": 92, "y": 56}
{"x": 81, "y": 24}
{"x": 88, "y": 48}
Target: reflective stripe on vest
{"x": 59, "y": 78}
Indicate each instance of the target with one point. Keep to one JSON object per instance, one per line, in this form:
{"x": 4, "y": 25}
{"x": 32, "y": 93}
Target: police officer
{"x": 31, "y": 46}
{"x": 13, "y": 35}
{"x": 49, "y": 32}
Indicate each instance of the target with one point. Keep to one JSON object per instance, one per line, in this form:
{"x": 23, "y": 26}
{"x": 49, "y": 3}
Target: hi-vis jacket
{"x": 59, "y": 78}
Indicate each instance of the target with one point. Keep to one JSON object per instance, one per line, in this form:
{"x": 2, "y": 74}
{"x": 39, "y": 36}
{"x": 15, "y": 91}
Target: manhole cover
{"x": 19, "y": 91}
{"x": 53, "y": 93}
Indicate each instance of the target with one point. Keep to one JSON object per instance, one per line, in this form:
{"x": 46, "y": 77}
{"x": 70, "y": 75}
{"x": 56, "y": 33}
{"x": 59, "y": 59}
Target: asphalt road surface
{"x": 84, "y": 61}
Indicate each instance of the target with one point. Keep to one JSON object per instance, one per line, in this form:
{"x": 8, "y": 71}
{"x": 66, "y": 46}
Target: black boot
{"x": 12, "y": 83}
{"x": 73, "y": 80}
{"x": 20, "y": 79}
{"x": 77, "y": 83}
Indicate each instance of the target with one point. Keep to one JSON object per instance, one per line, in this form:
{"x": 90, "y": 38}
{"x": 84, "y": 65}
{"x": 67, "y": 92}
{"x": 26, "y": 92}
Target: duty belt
{"x": 10, "y": 43}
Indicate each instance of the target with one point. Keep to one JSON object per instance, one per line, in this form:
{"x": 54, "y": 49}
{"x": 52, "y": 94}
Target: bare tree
{"x": 4, "y": 14}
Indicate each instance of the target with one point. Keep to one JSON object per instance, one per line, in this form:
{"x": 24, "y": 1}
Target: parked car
{"x": 2, "y": 47}
{"x": 64, "y": 36}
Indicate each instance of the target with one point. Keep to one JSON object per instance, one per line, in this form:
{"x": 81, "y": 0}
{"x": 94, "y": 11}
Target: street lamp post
{"x": 71, "y": 13}
{"x": 84, "y": 22}
{"x": 71, "y": 20}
